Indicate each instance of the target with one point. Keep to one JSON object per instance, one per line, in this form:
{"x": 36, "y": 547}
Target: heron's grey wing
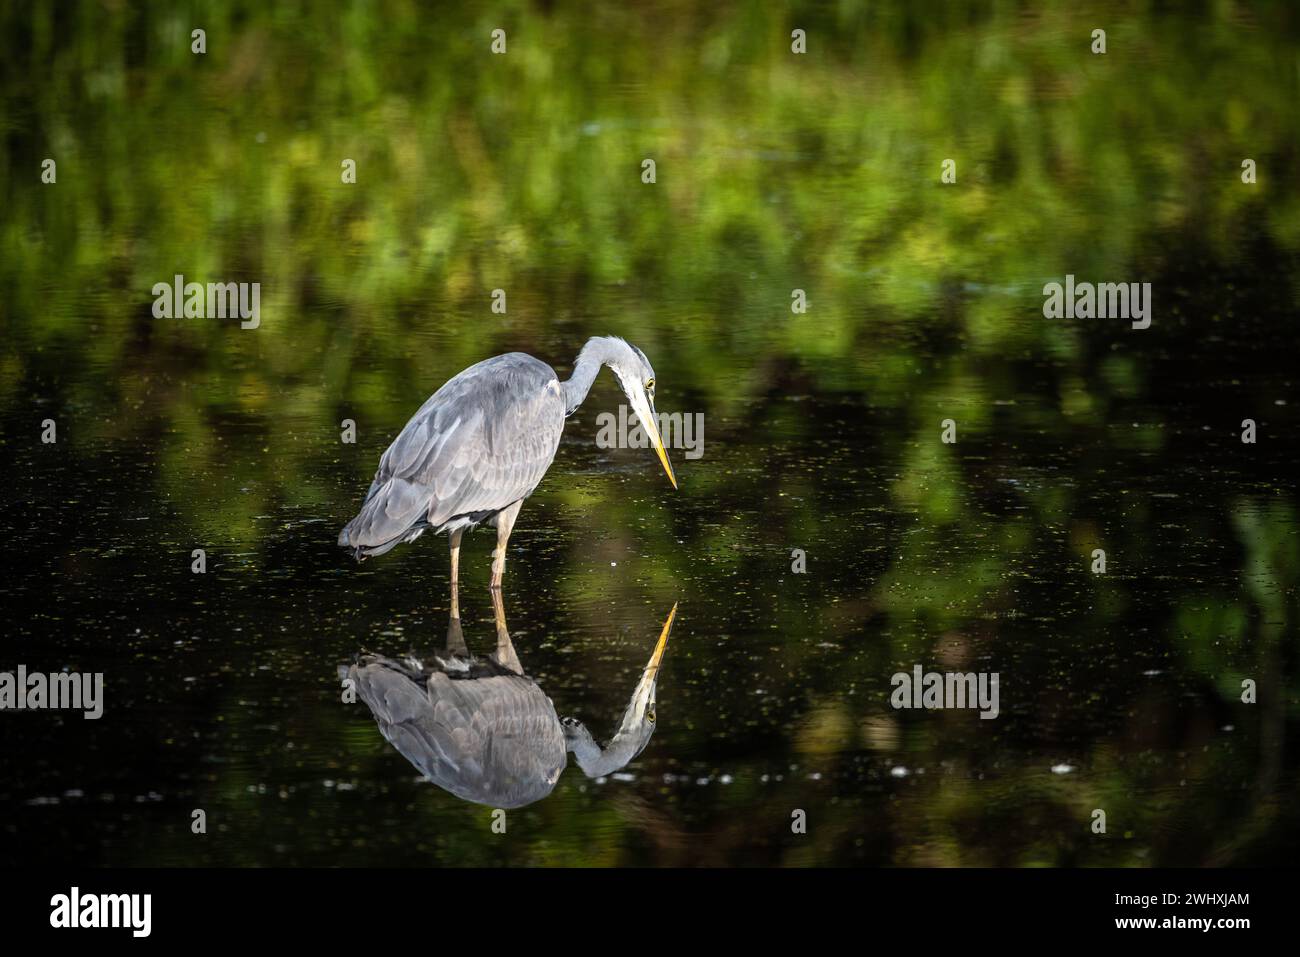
{"x": 503, "y": 457}
{"x": 495, "y": 741}
{"x": 480, "y": 443}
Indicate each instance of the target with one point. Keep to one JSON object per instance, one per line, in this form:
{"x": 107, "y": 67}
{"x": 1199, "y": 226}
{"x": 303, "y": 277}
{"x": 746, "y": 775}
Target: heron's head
{"x": 637, "y": 377}
{"x": 634, "y": 730}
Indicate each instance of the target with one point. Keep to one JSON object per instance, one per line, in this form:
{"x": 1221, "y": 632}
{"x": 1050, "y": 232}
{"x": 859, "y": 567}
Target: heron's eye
{"x": 650, "y": 713}
{"x": 650, "y": 384}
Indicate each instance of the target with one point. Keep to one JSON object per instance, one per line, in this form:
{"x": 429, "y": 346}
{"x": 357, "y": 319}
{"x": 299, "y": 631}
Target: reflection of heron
{"x": 483, "y": 730}
{"x": 480, "y": 445}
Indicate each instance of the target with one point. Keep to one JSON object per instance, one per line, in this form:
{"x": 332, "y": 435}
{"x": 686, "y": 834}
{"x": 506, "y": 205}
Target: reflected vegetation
{"x": 775, "y": 172}
{"x": 480, "y": 727}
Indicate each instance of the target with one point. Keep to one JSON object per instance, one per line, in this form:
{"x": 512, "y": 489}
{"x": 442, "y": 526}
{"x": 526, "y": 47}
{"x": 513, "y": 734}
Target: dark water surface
{"x": 1118, "y": 691}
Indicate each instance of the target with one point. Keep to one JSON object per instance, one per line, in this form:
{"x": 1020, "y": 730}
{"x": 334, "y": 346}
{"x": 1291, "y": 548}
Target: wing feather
{"x": 479, "y": 444}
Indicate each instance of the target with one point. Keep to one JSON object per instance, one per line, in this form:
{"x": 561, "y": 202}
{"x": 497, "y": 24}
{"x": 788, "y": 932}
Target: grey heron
{"x": 483, "y": 730}
{"x": 480, "y": 445}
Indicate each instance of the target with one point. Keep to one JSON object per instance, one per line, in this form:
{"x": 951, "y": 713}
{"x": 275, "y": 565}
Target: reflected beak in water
{"x": 644, "y": 696}
{"x": 652, "y": 669}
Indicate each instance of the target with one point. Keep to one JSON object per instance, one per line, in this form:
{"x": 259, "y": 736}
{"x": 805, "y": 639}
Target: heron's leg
{"x": 505, "y": 524}
{"x": 454, "y": 540}
{"x": 505, "y": 653}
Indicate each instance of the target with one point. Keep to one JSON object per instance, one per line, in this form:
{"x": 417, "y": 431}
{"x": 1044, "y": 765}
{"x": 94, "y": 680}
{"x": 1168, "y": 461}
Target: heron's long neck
{"x": 579, "y": 384}
{"x": 597, "y": 352}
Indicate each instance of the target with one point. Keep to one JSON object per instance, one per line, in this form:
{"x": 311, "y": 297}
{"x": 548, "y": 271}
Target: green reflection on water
{"x": 775, "y": 172}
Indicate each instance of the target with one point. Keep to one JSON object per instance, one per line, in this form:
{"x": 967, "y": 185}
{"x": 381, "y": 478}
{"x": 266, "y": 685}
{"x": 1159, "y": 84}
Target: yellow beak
{"x": 663, "y": 457}
{"x": 647, "y": 417}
